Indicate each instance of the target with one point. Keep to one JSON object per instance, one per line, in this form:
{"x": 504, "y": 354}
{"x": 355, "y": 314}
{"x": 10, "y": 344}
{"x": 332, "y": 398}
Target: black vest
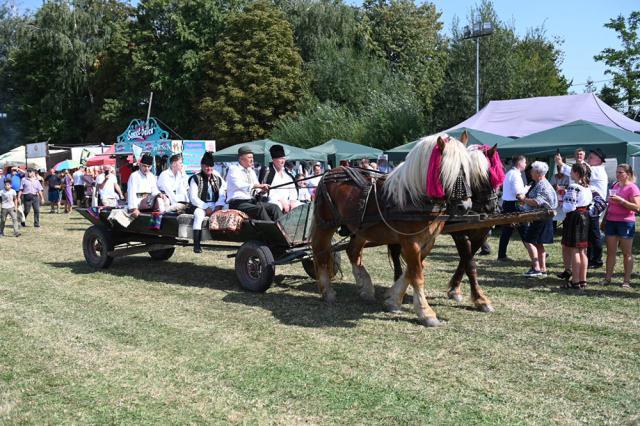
{"x": 203, "y": 189}
{"x": 268, "y": 173}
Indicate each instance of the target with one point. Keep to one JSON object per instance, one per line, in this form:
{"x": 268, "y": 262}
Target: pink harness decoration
{"x": 496, "y": 172}
{"x": 434, "y": 186}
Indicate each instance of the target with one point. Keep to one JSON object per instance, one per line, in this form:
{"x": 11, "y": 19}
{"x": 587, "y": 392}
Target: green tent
{"x": 476, "y": 137}
{"x": 337, "y": 150}
{"x": 614, "y": 142}
{"x": 261, "y": 152}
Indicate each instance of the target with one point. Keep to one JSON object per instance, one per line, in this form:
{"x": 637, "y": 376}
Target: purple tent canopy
{"x": 521, "y": 117}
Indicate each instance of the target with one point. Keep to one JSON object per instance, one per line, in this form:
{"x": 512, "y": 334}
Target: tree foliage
{"x": 254, "y": 75}
{"x": 624, "y": 63}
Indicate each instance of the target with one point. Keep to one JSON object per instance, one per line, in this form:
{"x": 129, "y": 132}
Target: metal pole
{"x": 149, "y": 109}
{"x": 477, "y": 74}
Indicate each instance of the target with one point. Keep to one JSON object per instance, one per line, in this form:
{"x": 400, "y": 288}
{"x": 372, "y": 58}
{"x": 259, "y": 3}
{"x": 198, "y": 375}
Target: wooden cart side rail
{"x": 503, "y": 219}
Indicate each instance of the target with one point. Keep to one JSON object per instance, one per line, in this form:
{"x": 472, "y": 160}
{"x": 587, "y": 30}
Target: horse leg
{"x": 411, "y": 251}
{"x": 478, "y": 297}
{"x": 363, "y": 279}
{"x": 463, "y": 245}
{"x": 394, "y": 253}
{"x": 323, "y": 262}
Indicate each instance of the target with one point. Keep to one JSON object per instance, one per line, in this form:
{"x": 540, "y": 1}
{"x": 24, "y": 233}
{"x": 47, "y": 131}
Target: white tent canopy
{"x": 16, "y": 157}
{"x": 522, "y": 117}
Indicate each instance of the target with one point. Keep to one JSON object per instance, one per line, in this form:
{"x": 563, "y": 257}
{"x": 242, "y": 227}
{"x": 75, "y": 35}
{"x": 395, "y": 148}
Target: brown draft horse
{"x": 485, "y": 180}
{"x": 433, "y": 179}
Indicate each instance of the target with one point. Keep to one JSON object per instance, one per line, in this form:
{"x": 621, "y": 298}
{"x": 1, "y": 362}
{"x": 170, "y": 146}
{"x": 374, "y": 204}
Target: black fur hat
{"x": 207, "y": 159}
{"x": 277, "y": 151}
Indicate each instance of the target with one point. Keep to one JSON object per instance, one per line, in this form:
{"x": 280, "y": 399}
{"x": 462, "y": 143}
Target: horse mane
{"x": 407, "y": 184}
{"x": 478, "y": 167}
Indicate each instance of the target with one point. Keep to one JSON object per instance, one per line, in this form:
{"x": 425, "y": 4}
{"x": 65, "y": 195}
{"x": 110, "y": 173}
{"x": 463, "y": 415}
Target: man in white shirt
{"x": 142, "y": 189}
{"x": 207, "y": 192}
{"x": 241, "y": 182}
{"x": 108, "y": 189}
{"x": 285, "y": 195}
{"x": 513, "y": 190}
{"x": 173, "y": 183}
{"x": 78, "y": 186}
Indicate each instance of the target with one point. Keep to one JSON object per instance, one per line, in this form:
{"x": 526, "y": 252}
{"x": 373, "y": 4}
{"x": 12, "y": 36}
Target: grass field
{"x": 179, "y": 342}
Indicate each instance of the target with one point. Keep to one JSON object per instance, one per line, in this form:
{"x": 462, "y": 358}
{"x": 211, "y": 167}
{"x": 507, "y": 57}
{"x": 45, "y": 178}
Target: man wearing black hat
{"x": 286, "y": 195}
{"x": 207, "y": 192}
{"x": 242, "y": 182}
{"x": 142, "y": 189}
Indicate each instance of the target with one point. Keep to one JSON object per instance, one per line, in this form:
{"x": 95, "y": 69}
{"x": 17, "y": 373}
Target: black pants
{"x": 79, "y": 193}
{"x": 506, "y": 230}
{"x": 257, "y": 209}
{"x": 29, "y": 200}
{"x": 594, "y": 252}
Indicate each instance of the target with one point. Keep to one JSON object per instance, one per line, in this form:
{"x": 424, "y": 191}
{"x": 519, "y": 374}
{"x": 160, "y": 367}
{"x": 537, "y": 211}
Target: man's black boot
{"x": 197, "y": 237}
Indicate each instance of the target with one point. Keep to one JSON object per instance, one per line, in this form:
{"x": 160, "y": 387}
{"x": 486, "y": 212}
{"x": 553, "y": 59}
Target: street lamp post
{"x": 477, "y": 30}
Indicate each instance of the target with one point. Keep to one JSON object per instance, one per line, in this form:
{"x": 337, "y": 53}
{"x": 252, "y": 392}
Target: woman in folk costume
{"x": 207, "y": 192}
{"x": 142, "y": 189}
{"x": 286, "y": 195}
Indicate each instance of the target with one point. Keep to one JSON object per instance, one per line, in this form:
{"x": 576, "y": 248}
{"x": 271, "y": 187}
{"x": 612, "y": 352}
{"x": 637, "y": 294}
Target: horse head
{"x": 436, "y": 169}
{"x": 486, "y": 177}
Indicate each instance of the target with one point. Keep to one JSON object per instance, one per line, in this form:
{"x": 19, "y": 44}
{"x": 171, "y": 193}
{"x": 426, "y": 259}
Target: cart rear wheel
{"x": 307, "y": 264}
{"x": 96, "y": 244}
{"x": 255, "y": 266}
{"x": 162, "y": 254}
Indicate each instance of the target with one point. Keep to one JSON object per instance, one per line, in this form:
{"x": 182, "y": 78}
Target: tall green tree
{"x": 510, "y": 68}
{"x": 50, "y": 71}
{"x": 624, "y": 64}
{"x": 408, "y": 37}
{"x": 254, "y": 77}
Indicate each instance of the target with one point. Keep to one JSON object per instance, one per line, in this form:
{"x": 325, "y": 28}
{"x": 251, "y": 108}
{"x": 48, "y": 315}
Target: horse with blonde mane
{"x": 405, "y": 208}
{"x": 486, "y": 176}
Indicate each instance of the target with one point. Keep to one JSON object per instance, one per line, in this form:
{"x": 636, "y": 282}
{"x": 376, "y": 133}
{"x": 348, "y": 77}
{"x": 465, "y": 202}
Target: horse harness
{"x": 369, "y": 182}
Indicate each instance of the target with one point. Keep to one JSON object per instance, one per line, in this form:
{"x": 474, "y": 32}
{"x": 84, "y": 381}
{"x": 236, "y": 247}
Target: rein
{"x": 375, "y": 196}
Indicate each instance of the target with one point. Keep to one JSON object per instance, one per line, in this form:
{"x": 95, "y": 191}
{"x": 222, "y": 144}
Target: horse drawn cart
{"x": 261, "y": 245}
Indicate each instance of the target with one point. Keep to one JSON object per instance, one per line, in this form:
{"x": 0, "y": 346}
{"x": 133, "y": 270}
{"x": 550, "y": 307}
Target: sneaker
{"x": 625, "y": 284}
{"x": 484, "y": 252}
{"x": 543, "y": 274}
{"x": 533, "y": 273}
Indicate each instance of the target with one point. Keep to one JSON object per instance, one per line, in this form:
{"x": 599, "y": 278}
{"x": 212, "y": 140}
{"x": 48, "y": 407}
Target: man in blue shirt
{"x": 16, "y": 178}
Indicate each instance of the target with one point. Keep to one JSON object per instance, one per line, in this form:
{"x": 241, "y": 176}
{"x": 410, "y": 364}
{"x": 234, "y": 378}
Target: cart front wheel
{"x": 307, "y": 264}
{"x": 255, "y": 266}
{"x": 162, "y": 254}
{"x": 96, "y": 244}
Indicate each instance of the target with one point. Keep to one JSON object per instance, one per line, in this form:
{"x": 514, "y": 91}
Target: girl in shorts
{"x": 620, "y": 226}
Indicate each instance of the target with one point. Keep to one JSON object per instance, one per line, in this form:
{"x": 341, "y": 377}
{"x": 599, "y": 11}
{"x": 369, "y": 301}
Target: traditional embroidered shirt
{"x": 174, "y": 185}
{"x": 240, "y": 181}
{"x": 140, "y": 183}
{"x": 576, "y": 196}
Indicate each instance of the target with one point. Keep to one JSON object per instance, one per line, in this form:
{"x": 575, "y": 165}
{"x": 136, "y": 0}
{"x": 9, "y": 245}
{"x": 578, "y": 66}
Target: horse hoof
{"x": 369, "y": 298}
{"x": 486, "y": 308}
{"x": 392, "y": 307}
{"x": 455, "y": 296}
{"x": 430, "y": 322}
{"x": 330, "y": 299}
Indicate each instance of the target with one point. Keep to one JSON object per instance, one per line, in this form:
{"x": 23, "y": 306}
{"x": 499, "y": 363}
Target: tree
{"x": 624, "y": 64}
{"x": 254, "y": 76}
{"x": 407, "y": 37}
{"x": 510, "y": 68}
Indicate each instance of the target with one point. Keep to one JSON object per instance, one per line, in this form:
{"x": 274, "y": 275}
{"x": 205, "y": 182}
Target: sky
{"x": 580, "y": 23}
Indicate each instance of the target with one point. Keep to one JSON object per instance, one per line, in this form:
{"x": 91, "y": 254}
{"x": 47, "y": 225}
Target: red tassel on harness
{"x": 496, "y": 172}
{"x": 434, "y": 186}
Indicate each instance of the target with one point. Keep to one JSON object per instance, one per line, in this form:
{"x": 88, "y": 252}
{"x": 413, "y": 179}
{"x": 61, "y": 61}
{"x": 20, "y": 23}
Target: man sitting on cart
{"x": 142, "y": 189}
{"x": 242, "y": 182}
{"x": 173, "y": 183}
{"x": 286, "y": 193}
{"x": 207, "y": 192}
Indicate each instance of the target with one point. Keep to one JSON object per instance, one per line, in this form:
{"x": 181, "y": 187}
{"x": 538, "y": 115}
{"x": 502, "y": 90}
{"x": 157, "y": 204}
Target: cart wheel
{"x": 162, "y": 254}
{"x": 96, "y": 243}
{"x": 255, "y": 266}
{"x": 307, "y": 264}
